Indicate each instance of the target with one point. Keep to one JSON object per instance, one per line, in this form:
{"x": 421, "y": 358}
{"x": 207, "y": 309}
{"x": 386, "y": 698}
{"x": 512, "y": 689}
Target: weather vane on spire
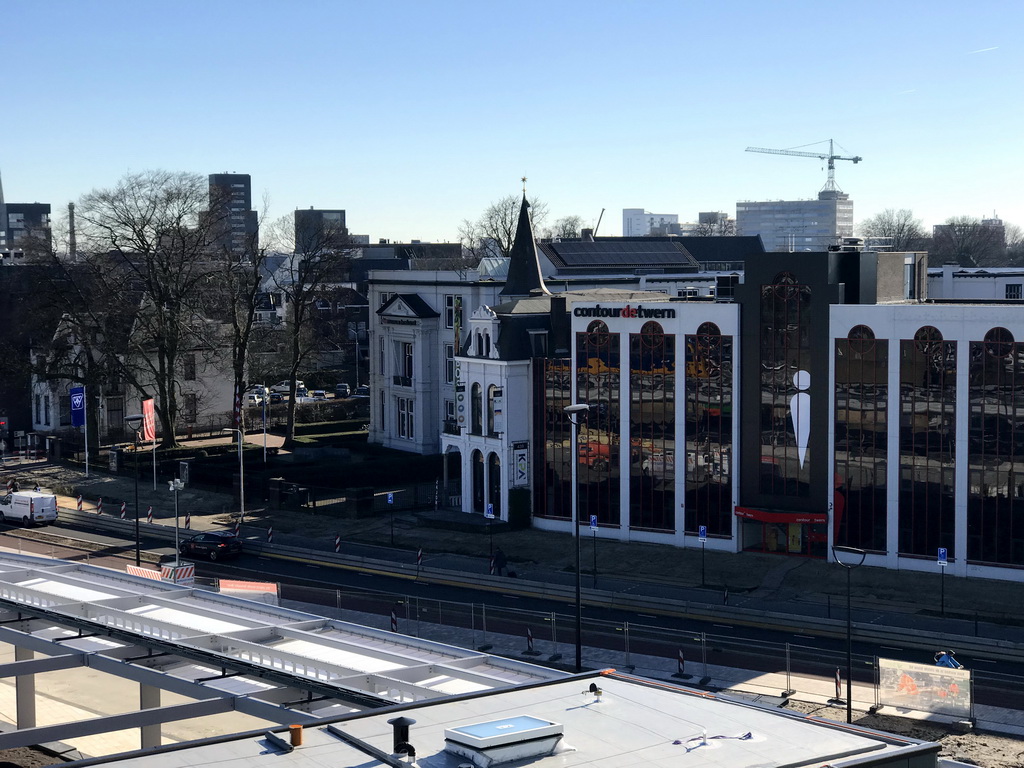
{"x": 524, "y": 186}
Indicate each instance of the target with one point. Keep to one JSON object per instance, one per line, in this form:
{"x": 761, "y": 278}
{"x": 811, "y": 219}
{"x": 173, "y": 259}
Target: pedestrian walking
{"x": 500, "y": 562}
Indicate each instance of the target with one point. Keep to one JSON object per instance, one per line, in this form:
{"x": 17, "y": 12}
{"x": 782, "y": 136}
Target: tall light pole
{"x": 135, "y": 424}
{"x": 575, "y": 412}
{"x": 176, "y": 486}
{"x": 849, "y": 566}
{"x": 241, "y": 475}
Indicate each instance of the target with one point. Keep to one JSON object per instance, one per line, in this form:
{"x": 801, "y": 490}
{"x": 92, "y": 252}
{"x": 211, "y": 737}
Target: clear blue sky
{"x": 413, "y": 116}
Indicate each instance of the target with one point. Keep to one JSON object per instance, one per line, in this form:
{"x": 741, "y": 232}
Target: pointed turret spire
{"x": 524, "y": 278}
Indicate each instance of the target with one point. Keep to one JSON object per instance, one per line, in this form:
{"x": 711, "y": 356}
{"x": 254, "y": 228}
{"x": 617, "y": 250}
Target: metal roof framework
{"x": 225, "y": 652}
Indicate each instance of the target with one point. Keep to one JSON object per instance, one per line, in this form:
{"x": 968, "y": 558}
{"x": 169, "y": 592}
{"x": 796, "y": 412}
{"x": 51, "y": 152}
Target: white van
{"x": 28, "y": 508}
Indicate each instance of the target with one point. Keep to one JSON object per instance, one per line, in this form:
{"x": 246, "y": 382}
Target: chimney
{"x": 587, "y": 235}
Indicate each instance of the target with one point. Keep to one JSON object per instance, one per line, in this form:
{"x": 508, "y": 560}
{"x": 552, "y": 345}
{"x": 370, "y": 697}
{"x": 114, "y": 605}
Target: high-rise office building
{"x": 798, "y": 225}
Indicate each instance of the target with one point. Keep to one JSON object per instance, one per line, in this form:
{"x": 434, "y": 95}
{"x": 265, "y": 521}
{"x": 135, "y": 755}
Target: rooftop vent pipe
{"x": 400, "y": 726}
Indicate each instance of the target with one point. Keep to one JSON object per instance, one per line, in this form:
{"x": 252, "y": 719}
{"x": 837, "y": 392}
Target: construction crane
{"x": 830, "y": 185}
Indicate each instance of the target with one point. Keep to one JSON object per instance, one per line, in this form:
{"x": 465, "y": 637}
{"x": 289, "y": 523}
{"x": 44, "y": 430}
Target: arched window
{"x": 491, "y": 390}
{"x": 477, "y": 397}
{"x": 862, "y": 339}
{"x": 494, "y": 484}
{"x": 477, "y": 460}
{"x": 999, "y": 342}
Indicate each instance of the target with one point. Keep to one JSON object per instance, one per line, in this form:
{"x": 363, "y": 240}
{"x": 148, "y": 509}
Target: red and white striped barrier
{"x": 394, "y": 621}
{"x": 149, "y": 514}
{"x": 270, "y": 535}
{"x": 188, "y": 520}
{"x": 79, "y": 503}
{"x": 337, "y": 544}
{"x": 839, "y": 685}
{"x": 185, "y": 573}
{"x": 148, "y": 573}
{"x": 124, "y": 509}
{"x": 529, "y": 641}
{"x": 419, "y": 557}
{"x": 491, "y": 570}
{"x": 682, "y": 664}
{"x": 99, "y": 506}
{"x": 238, "y": 526}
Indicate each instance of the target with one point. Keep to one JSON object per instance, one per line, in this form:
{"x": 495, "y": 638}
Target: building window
{"x": 995, "y": 451}
{"x": 709, "y": 401}
{"x": 449, "y": 410}
{"x": 191, "y": 408}
{"x": 859, "y": 495}
{"x": 927, "y": 443}
{"x": 381, "y": 357}
{"x": 449, "y": 363}
{"x": 46, "y": 410}
{"x": 449, "y": 310}
{"x": 477, "y": 405}
{"x": 1013, "y": 290}
{"x": 385, "y": 297}
{"x": 407, "y": 359}
{"x": 493, "y": 409}
{"x": 406, "y": 420}
{"x": 552, "y": 439}
{"x": 597, "y": 379}
{"x": 652, "y": 427}
{"x": 188, "y": 365}
{"x": 785, "y": 411}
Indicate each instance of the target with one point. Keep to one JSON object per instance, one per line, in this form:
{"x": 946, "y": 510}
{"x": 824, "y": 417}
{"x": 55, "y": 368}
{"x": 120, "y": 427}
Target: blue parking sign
{"x": 489, "y": 514}
{"x": 77, "y": 395}
{"x": 391, "y": 498}
{"x": 702, "y": 533}
{"x": 943, "y": 557}
{"x": 593, "y": 522}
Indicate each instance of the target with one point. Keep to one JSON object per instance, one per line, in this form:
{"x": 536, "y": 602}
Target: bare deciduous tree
{"x": 493, "y": 233}
{"x": 567, "y": 227}
{"x": 966, "y": 241}
{"x": 902, "y": 231}
{"x": 721, "y": 227}
{"x": 310, "y": 274}
{"x": 145, "y": 256}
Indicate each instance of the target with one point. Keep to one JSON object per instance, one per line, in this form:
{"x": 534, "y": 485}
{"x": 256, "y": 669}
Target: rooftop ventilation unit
{"x": 504, "y": 741}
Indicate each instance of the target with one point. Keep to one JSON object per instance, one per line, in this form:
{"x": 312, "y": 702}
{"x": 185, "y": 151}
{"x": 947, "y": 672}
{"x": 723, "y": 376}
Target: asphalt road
{"x": 726, "y": 643}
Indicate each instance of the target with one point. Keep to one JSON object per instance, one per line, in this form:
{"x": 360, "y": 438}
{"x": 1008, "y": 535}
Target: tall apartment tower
{"x": 636, "y": 222}
{"x": 317, "y": 229}
{"x": 798, "y": 225}
{"x": 19, "y": 221}
{"x": 231, "y": 213}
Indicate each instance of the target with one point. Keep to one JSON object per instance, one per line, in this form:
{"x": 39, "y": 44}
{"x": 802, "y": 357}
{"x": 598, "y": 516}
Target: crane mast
{"x": 831, "y": 157}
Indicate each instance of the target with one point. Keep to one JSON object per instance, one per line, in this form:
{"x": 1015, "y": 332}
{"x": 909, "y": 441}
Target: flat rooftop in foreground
{"x": 632, "y": 722}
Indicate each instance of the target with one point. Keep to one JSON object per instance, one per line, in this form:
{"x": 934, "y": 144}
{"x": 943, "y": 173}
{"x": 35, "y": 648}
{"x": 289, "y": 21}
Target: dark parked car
{"x": 214, "y": 545}
{"x": 276, "y": 397}
{"x": 342, "y": 390}
{"x": 363, "y": 389}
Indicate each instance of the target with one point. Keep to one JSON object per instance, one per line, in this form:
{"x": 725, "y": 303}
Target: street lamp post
{"x": 241, "y": 475}
{"x": 575, "y": 412}
{"x": 176, "y": 486}
{"x": 849, "y": 619}
{"x": 135, "y": 424}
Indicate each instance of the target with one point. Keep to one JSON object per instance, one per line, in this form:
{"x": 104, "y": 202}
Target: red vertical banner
{"x": 149, "y": 420}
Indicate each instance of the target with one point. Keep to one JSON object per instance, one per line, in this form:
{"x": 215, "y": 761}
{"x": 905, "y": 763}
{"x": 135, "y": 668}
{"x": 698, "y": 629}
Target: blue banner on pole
{"x": 77, "y": 395}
